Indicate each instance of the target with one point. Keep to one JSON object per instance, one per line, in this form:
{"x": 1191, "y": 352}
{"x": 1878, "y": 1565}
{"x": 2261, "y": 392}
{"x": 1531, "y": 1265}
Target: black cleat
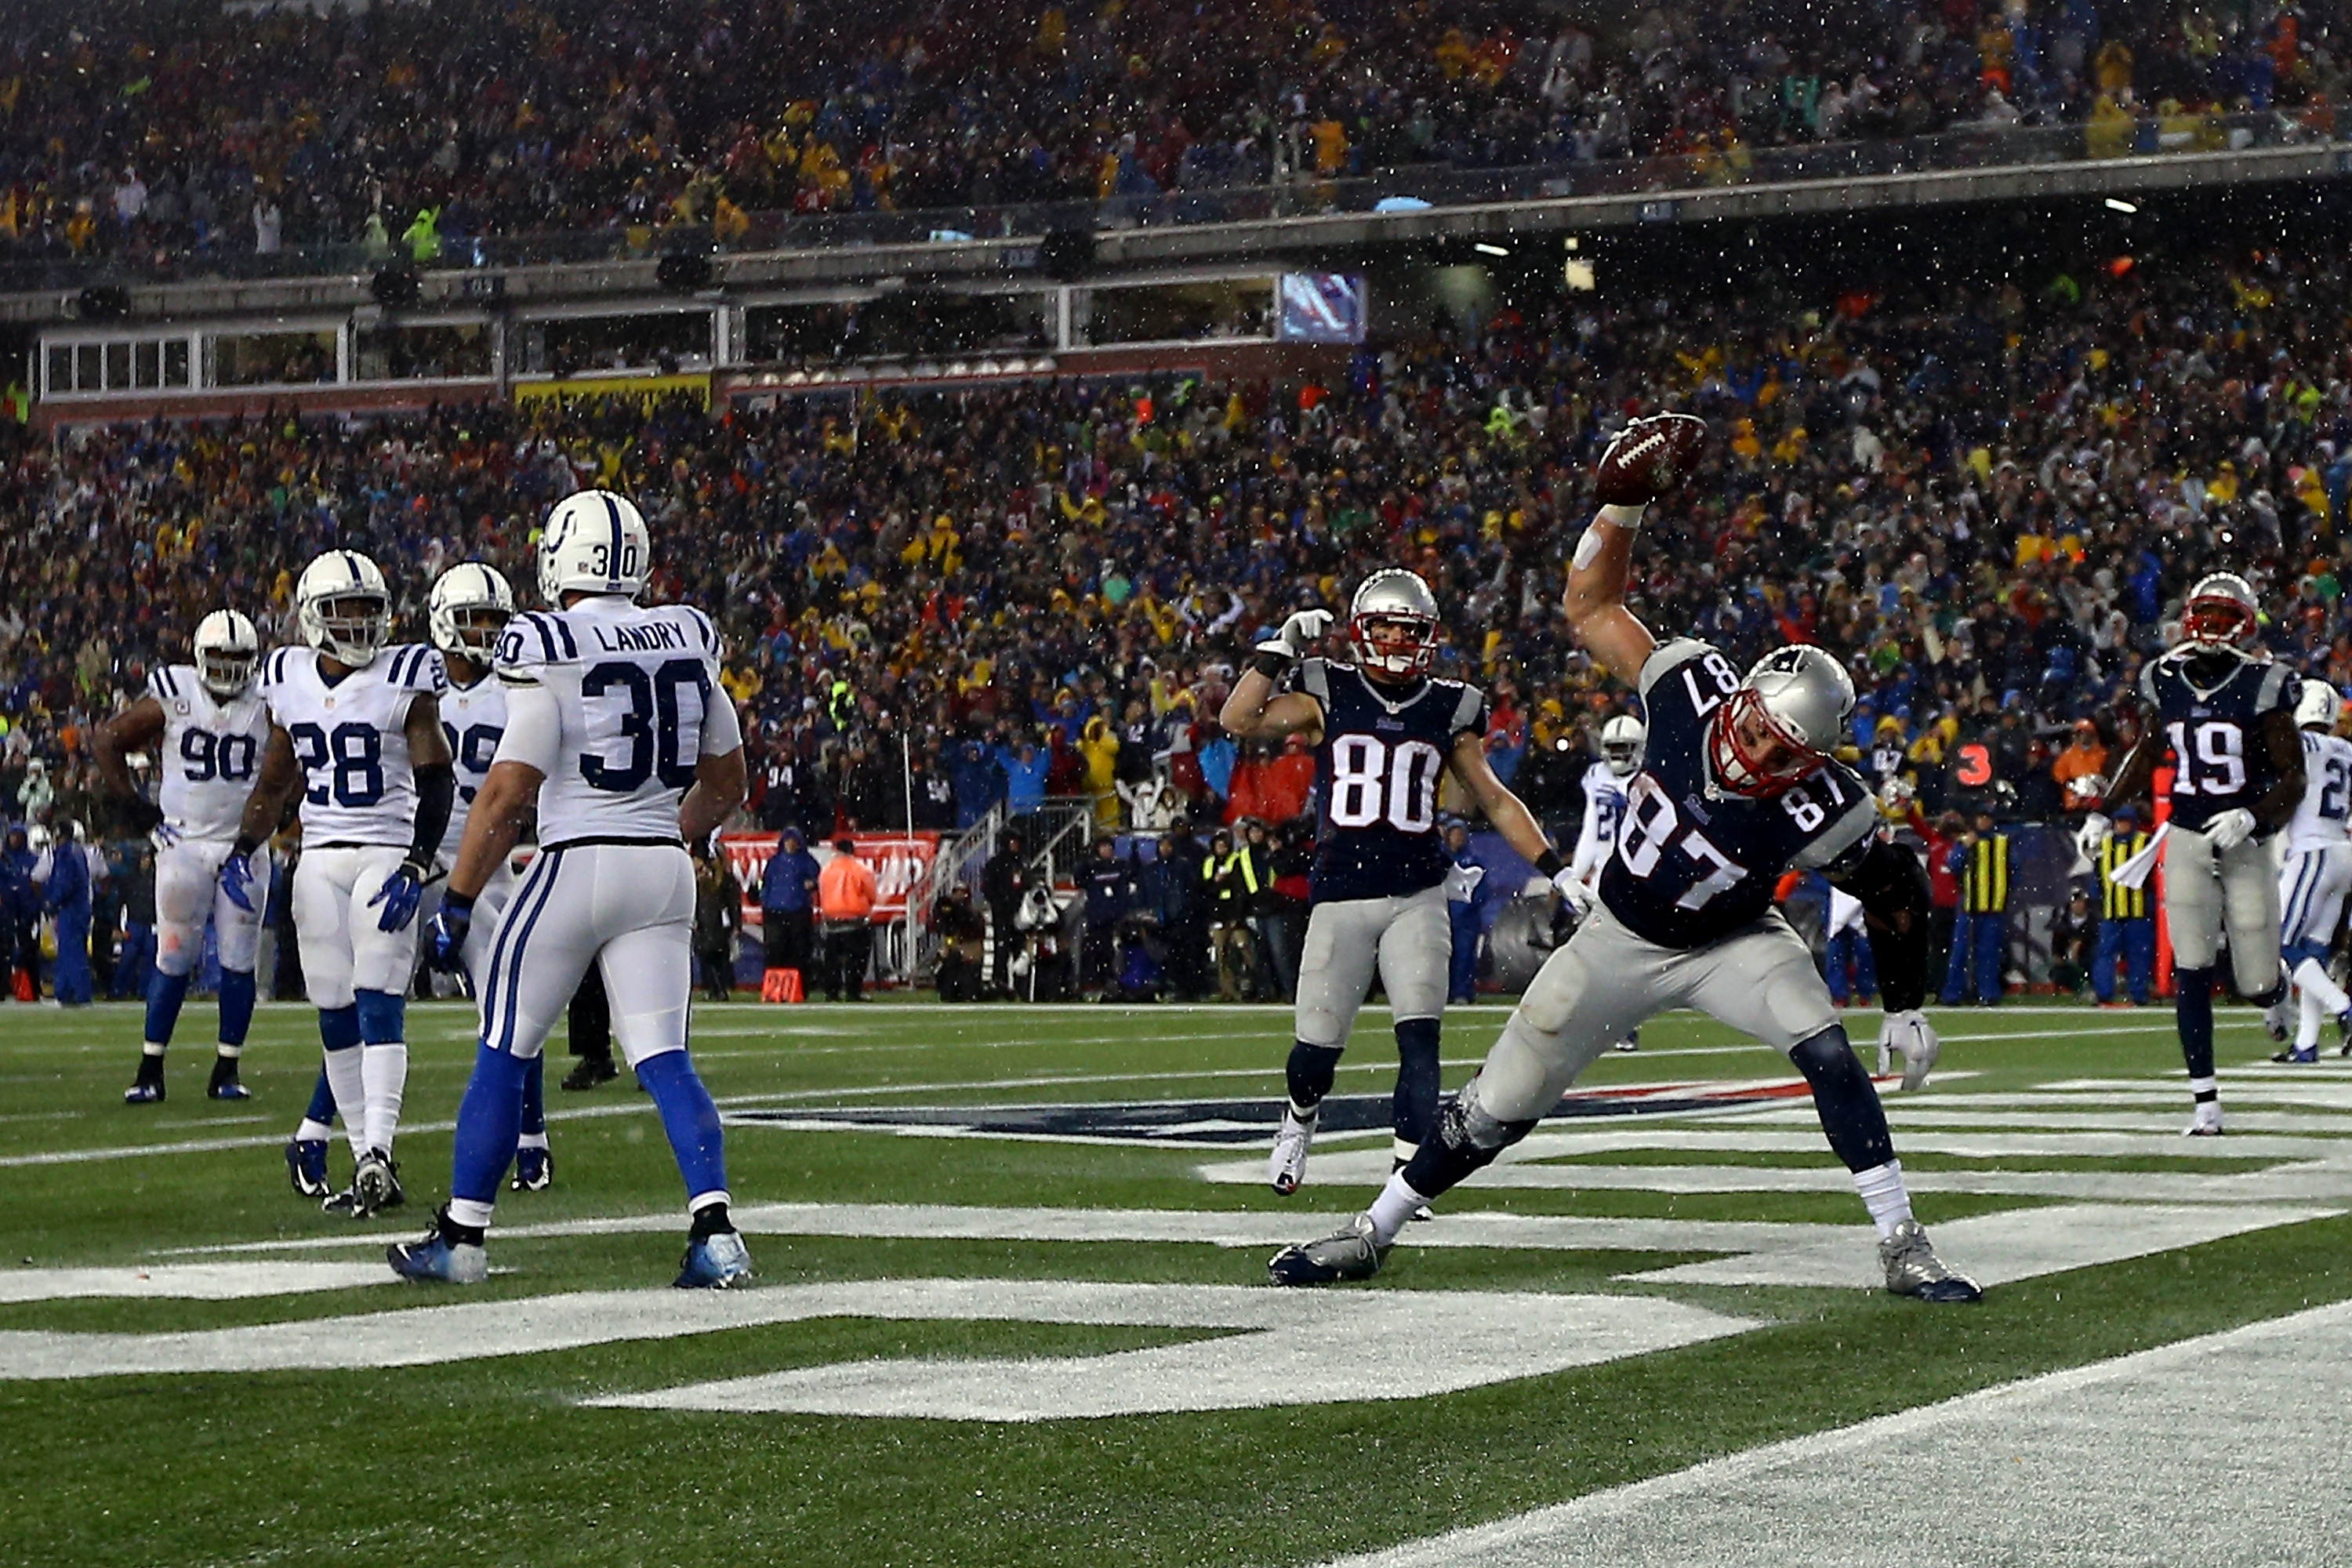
{"x": 591, "y": 1071}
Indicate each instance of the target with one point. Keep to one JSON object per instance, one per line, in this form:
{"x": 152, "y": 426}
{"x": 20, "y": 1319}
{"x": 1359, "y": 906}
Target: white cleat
{"x": 1286, "y": 1168}
{"x": 2208, "y": 1120}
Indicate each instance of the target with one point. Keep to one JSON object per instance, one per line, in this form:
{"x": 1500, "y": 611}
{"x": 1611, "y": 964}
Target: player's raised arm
{"x": 1254, "y": 710}
{"x": 1648, "y": 458}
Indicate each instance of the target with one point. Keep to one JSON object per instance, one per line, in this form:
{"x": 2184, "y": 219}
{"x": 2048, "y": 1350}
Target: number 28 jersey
{"x": 2220, "y": 762}
{"x": 1377, "y": 774}
{"x": 1695, "y": 864}
{"x": 209, "y": 753}
{"x": 615, "y": 702}
{"x": 350, "y": 737}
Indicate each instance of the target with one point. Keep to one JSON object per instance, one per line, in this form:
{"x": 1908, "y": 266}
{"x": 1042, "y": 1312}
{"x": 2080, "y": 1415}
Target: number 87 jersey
{"x": 1695, "y": 863}
{"x": 631, "y": 706}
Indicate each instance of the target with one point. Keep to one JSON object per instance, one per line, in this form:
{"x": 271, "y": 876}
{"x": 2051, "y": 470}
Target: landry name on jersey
{"x": 359, "y": 786}
{"x": 1376, "y": 775}
{"x": 2220, "y": 760}
{"x": 633, "y": 688}
{"x": 1692, "y": 864}
{"x": 209, "y": 753}
{"x": 2320, "y": 818}
{"x": 474, "y": 718}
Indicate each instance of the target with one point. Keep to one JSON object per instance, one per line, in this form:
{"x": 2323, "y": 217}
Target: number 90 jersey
{"x": 615, "y": 702}
{"x": 349, "y": 737}
{"x": 209, "y": 753}
{"x": 1695, "y": 864}
{"x": 1377, "y": 772}
{"x": 2220, "y": 762}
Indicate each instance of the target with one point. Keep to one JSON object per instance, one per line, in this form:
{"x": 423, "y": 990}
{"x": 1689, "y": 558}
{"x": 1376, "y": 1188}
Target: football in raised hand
{"x": 1648, "y": 458}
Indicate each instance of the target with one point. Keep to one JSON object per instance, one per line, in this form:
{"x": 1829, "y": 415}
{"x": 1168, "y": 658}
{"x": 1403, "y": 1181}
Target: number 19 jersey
{"x": 635, "y": 706}
{"x": 348, "y": 736}
{"x": 1376, "y": 772}
{"x": 209, "y": 753}
{"x": 2220, "y": 760}
{"x": 474, "y": 718}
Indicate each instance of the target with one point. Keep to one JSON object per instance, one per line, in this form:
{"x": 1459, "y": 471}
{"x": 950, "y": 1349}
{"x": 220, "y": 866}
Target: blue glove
{"x": 236, "y": 880}
{"x": 448, "y": 935}
{"x": 399, "y": 894}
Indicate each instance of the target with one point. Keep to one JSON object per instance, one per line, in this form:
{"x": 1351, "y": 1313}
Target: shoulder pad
{"x": 1313, "y": 677}
{"x": 703, "y": 628}
{"x": 1469, "y": 710}
{"x": 2277, "y": 688}
{"x": 166, "y": 684}
{"x": 277, "y": 667}
{"x": 2148, "y": 679}
{"x": 414, "y": 667}
{"x": 533, "y": 639}
{"x": 1668, "y": 655}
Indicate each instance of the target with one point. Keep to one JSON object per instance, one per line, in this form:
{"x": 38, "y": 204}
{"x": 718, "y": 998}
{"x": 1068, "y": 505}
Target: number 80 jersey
{"x": 358, "y": 786}
{"x": 631, "y": 704}
{"x": 1377, "y": 774}
{"x": 1695, "y": 864}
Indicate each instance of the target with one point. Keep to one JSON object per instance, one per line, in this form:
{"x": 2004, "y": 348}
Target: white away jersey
{"x": 357, "y": 785}
{"x": 475, "y": 718}
{"x": 2326, "y": 804}
{"x": 209, "y": 753}
{"x": 615, "y": 702}
{"x": 1604, "y": 811}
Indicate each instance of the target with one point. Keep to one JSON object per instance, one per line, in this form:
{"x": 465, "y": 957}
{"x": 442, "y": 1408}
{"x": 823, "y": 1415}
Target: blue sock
{"x": 384, "y": 1017}
{"x": 165, "y": 992}
{"x": 236, "y": 1006}
{"x": 489, "y": 1123}
{"x": 339, "y": 1027}
{"x": 2192, "y": 1009}
{"x": 534, "y": 1094}
{"x": 691, "y": 1119}
{"x": 323, "y": 1101}
{"x": 1413, "y": 1110}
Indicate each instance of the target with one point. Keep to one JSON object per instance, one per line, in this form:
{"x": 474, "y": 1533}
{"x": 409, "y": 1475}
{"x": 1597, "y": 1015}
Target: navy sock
{"x": 339, "y": 1027}
{"x": 323, "y": 1101}
{"x": 1465, "y": 1140}
{"x": 490, "y": 1121}
{"x": 534, "y": 1094}
{"x": 1414, "y": 1108}
{"x": 2192, "y": 1009}
{"x": 688, "y": 1117}
{"x": 236, "y": 1006}
{"x": 382, "y": 1016}
{"x": 165, "y": 992}
{"x": 1310, "y": 1071}
{"x": 1845, "y": 1100}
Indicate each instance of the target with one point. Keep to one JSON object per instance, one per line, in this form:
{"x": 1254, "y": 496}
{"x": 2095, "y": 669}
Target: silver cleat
{"x": 1285, "y": 1169}
{"x": 1914, "y": 1269}
{"x": 1352, "y": 1254}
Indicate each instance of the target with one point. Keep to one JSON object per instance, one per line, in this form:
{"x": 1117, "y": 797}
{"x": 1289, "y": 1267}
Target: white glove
{"x": 1300, "y": 632}
{"x": 1912, "y": 1037}
{"x": 1577, "y": 897}
{"x": 2230, "y": 830}
{"x": 2092, "y": 834}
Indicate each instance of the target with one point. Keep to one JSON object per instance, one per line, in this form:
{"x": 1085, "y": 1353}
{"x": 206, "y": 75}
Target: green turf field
{"x": 1040, "y": 1333}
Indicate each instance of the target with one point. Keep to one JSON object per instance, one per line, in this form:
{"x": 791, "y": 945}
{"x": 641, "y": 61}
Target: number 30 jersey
{"x": 2220, "y": 762}
{"x": 209, "y": 753}
{"x": 348, "y": 736}
{"x": 1695, "y": 864}
{"x": 1376, "y": 772}
{"x": 615, "y": 703}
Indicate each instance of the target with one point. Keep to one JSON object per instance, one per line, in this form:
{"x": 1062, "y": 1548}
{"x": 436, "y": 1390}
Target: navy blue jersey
{"x": 2219, "y": 760}
{"x": 1694, "y": 863}
{"x": 1376, "y": 777}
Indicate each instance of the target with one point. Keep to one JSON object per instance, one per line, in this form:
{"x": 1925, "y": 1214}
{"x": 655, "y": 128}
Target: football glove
{"x": 399, "y": 897}
{"x": 1300, "y": 632}
{"x": 1910, "y": 1036}
{"x": 1572, "y": 892}
{"x": 448, "y": 935}
{"x": 140, "y": 816}
{"x": 2092, "y": 834}
{"x": 237, "y": 882}
{"x": 2230, "y": 830}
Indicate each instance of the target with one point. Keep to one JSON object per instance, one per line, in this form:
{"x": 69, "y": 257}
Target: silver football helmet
{"x": 594, "y": 543}
{"x": 1622, "y": 741}
{"x": 1393, "y": 623}
{"x": 1780, "y": 727}
{"x": 2220, "y": 614}
{"x": 467, "y": 609}
{"x": 2316, "y": 706}
{"x": 228, "y": 650}
{"x": 343, "y": 608}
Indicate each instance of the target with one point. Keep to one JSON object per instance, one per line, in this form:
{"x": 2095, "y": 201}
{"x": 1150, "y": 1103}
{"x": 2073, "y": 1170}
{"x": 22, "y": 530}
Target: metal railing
{"x": 1433, "y": 185}
{"x": 1059, "y": 832}
{"x": 958, "y": 864}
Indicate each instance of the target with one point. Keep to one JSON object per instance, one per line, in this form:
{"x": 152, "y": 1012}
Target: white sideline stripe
{"x": 188, "y": 1281}
{"x": 2242, "y": 1468}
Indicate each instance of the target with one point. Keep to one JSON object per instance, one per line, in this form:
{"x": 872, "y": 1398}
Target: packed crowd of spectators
{"x": 156, "y": 128}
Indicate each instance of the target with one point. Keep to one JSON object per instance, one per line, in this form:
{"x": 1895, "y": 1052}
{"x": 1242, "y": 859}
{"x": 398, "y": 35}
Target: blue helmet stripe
{"x": 613, "y": 510}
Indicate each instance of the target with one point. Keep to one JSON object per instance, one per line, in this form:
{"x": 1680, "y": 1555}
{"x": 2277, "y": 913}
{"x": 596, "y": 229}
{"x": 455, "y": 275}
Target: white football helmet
{"x": 2220, "y": 615}
{"x": 1392, "y": 622}
{"x": 1622, "y": 741}
{"x": 343, "y": 608}
{"x": 1781, "y": 725}
{"x": 2315, "y": 706}
{"x": 594, "y": 543}
{"x": 228, "y": 650}
{"x": 467, "y": 609}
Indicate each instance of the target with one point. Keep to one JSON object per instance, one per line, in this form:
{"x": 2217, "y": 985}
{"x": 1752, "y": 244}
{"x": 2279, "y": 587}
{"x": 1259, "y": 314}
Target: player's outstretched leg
{"x": 534, "y": 1164}
{"x": 715, "y": 1256}
{"x": 305, "y": 1153}
{"x": 1309, "y": 1075}
{"x": 1855, "y": 1123}
{"x": 2192, "y": 1011}
{"x": 489, "y": 1121}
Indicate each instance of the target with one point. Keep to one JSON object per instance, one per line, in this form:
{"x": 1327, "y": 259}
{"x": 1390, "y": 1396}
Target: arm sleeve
{"x": 436, "y": 791}
{"x": 534, "y": 734}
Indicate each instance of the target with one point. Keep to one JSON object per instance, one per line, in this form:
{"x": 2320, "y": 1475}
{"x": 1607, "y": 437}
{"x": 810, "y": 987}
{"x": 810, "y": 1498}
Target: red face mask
{"x": 1398, "y": 646}
{"x": 1752, "y": 755}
